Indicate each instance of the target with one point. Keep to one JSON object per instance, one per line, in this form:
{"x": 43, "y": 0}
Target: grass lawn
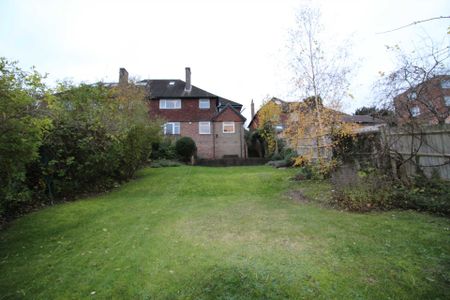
{"x": 227, "y": 233}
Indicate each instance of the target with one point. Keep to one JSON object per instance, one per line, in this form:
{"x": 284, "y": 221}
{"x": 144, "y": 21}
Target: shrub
{"x": 303, "y": 173}
{"x": 21, "y": 128}
{"x": 426, "y": 194}
{"x": 276, "y": 156}
{"x": 135, "y": 149}
{"x": 164, "y": 150}
{"x": 289, "y": 156}
{"x": 185, "y": 148}
{"x": 361, "y": 191}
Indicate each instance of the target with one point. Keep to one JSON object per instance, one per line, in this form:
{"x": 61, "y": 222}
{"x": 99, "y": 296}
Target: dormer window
{"x": 204, "y": 103}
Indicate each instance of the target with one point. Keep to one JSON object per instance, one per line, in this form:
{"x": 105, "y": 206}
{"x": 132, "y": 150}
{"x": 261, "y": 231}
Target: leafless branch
{"x": 414, "y": 23}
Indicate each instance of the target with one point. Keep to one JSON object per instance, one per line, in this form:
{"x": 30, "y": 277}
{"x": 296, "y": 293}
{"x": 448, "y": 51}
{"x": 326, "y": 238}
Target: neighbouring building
{"x": 214, "y": 123}
{"x": 427, "y": 103}
{"x": 364, "y": 124}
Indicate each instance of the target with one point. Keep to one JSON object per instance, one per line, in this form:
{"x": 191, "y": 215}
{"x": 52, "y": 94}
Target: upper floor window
{"x": 412, "y": 96}
{"x": 445, "y": 84}
{"x": 447, "y": 100}
{"x": 170, "y": 104}
{"x": 203, "y": 103}
{"x": 204, "y": 127}
{"x": 415, "y": 111}
{"x": 228, "y": 127}
{"x": 172, "y": 128}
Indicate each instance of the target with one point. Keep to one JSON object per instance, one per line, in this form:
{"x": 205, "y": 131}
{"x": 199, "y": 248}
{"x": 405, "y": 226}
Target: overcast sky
{"x": 235, "y": 49}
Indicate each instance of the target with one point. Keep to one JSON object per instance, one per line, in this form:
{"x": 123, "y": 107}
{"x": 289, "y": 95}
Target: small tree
{"x": 413, "y": 82}
{"x": 185, "y": 148}
{"x": 319, "y": 75}
{"x": 417, "y": 74}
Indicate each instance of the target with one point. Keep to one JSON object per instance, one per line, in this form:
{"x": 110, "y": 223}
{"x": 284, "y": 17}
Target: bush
{"x": 361, "y": 191}
{"x": 426, "y": 194}
{"x": 370, "y": 189}
{"x": 185, "y": 148}
{"x": 164, "y": 150}
{"x": 303, "y": 173}
{"x": 21, "y": 129}
{"x": 276, "y": 156}
{"x": 135, "y": 150}
{"x": 289, "y": 155}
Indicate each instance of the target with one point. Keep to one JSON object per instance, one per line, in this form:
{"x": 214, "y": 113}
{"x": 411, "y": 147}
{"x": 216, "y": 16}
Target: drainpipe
{"x": 214, "y": 138}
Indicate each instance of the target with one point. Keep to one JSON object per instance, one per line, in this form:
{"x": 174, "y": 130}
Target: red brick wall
{"x": 189, "y": 111}
{"x": 435, "y": 96}
{"x": 204, "y": 142}
{"x": 228, "y": 115}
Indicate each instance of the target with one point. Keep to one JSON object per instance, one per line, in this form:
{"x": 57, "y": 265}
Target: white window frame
{"x": 225, "y": 124}
{"x": 415, "y": 111}
{"x": 163, "y": 103}
{"x": 412, "y": 96}
{"x": 447, "y": 100}
{"x": 204, "y": 100}
{"x": 445, "y": 84}
{"x": 175, "y": 128}
{"x": 200, "y": 127}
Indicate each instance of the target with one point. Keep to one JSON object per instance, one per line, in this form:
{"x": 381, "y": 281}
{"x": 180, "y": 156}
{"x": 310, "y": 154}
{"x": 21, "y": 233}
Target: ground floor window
{"x": 228, "y": 127}
{"x": 172, "y": 128}
{"x": 204, "y": 127}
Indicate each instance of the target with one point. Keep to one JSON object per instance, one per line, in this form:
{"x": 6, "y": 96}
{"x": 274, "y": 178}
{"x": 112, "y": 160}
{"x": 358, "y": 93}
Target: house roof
{"x": 173, "y": 88}
{"x": 229, "y": 106}
{"x": 361, "y": 119}
{"x": 224, "y": 102}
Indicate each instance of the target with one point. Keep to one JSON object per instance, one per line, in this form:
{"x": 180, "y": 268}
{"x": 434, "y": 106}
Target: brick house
{"x": 214, "y": 123}
{"x": 363, "y": 123}
{"x": 427, "y": 103}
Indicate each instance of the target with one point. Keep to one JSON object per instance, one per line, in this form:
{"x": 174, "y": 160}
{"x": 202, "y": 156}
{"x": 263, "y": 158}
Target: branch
{"x": 415, "y": 23}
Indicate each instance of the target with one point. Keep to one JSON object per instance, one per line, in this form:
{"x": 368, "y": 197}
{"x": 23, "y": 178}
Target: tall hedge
{"x": 60, "y": 144}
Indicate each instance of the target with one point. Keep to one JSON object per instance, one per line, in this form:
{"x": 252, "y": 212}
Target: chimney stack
{"x": 188, "y": 87}
{"x": 252, "y": 109}
{"x": 123, "y": 76}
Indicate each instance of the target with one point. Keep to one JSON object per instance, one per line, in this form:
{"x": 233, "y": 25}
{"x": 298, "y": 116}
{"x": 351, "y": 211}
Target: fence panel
{"x": 426, "y": 146}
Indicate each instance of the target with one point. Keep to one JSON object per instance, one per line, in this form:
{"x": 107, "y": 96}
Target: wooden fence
{"x": 426, "y": 147}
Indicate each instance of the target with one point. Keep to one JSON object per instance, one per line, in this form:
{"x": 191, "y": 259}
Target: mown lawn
{"x": 222, "y": 233}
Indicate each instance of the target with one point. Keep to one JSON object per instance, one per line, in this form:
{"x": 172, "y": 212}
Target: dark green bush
{"x": 303, "y": 173}
{"x": 289, "y": 155}
{"x": 426, "y": 194}
{"x": 185, "y": 148}
{"x": 21, "y": 128}
{"x": 276, "y": 156}
{"x": 164, "y": 150}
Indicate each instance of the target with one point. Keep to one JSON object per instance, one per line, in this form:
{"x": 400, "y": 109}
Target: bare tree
{"x": 416, "y": 82}
{"x": 414, "y": 91}
{"x": 319, "y": 74}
